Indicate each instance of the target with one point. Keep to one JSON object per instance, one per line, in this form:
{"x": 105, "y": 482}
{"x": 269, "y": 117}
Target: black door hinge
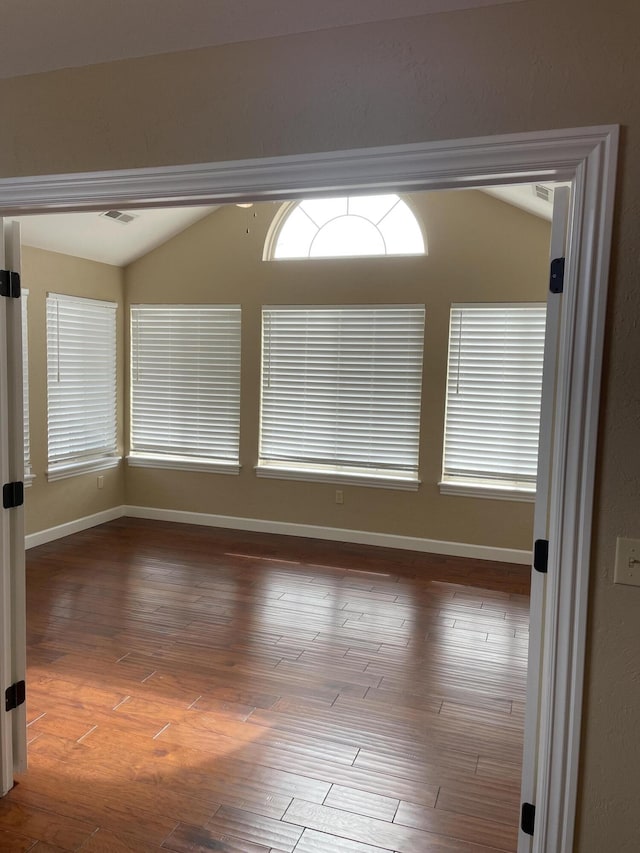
{"x": 9, "y": 283}
{"x": 15, "y": 695}
{"x": 556, "y": 281}
{"x": 12, "y": 495}
{"x": 528, "y": 818}
{"x": 541, "y": 555}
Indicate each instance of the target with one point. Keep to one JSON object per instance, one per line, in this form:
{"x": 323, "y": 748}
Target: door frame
{"x": 13, "y": 665}
{"x": 584, "y": 156}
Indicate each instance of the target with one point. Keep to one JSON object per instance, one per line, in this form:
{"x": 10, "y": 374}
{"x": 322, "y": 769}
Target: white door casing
{"x": 586, "y": 157}
{"x": 541, "y": 516}
{"x": 6, "y": 735}
{"x": 13, "y": 732}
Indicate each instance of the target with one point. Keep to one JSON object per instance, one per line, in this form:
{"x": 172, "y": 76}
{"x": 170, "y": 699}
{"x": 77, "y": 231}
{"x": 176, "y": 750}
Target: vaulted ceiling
{"x": 41, "y": 36}
{"x": 101, "y": 238}
{"x": 110, "y": 241}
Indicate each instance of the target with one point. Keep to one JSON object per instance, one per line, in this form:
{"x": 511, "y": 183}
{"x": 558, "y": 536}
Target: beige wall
{"x": 532, "y": 65}
{"x": 48, "y": 504}
{"x": 480, "y": 249}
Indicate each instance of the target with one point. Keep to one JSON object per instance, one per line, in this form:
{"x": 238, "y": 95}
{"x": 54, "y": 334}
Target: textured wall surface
{"x": 532, "y": 65}
{"x": 216, "y": 261}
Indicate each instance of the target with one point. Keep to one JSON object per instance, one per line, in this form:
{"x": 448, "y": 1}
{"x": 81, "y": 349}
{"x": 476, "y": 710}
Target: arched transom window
{"x": 346, "y": 227}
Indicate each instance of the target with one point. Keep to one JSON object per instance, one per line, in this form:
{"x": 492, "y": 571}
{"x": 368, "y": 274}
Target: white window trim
{"x": 278, "y": 221}
{"x": 476, "y": 489}
{"x": 339, "y": 472}
{"x": 86, "y": 466}
{"x": 91, "y": 462}
{"x": 355, "y": 478}
{"x": 159, "y": 457}
{"x": 496, "y": 488}
{"x": 181, "y": 463}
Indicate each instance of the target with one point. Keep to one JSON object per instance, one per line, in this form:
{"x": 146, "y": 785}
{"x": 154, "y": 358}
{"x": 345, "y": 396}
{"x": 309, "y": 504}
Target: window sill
{"x": 378, "y": 481}
{"x": 28, "y": 480}
{"x": 180, "y": 463}
{"x": 490, "y": 491}
{"x": 87, "y": 466}
{"x": 378, "y": 257}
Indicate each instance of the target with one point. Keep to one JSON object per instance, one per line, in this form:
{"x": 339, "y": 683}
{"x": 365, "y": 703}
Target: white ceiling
{"x": 92, "y": 236}
{"x": 43, "y": 35}
{"x": 525, "y": 197}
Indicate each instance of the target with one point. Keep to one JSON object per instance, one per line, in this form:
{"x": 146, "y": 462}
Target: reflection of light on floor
{"x": 209, "y": 734}
{"x": 36, "y": 719}
{"x": 263, "y": 559}
{"x": 365, "y": 572}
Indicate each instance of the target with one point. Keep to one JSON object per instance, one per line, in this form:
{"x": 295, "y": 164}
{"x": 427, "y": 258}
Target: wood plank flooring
{"x": 194, "y": 690}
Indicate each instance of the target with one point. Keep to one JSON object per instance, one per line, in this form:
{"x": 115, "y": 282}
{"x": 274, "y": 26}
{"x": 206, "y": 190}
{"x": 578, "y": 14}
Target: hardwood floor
{"x": 195, "y": 690}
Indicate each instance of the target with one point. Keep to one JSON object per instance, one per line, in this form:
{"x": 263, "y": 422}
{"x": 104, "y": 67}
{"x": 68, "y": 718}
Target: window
{"x": 494, "y": 388}
{"x": 185, "y": 387}
{"x": 354, "y": 226}
{"x": 28, "y": 472}
{"x": 341, "y": 390}
{"x": 81, "y": 385}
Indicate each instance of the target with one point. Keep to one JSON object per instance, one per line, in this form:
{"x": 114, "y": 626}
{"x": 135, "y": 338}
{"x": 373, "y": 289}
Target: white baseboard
{"x": 334, "y": 534}
{"x": 61, "y": 530}
{"x": 309, "y": 531}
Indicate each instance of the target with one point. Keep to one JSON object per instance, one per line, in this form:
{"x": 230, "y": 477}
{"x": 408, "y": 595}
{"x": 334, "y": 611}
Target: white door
{"x": 13, "y": 730}
{"x": 541, "y": 518}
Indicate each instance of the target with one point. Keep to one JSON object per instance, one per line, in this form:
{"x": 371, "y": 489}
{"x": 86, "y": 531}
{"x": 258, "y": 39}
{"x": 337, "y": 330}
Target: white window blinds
{"x": 494, "y": 388}
{"x": 185, "y": 386}
{"x": 341, "y": 390}
{"x": 81, "y": 383}
{"x": 28, "y": 473}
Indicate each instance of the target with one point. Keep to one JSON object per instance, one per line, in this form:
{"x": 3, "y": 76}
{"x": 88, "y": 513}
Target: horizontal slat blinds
{"x": 341, "y": 388}
{"x": 493, "y": 393}
{"x": 81, "y": 379}
{"x": 25, "y": 384}
{"x": 185, "y": 381}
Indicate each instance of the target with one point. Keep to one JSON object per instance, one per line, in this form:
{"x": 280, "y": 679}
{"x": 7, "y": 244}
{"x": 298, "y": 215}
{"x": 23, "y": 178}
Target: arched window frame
{"x": 279, "y": 220}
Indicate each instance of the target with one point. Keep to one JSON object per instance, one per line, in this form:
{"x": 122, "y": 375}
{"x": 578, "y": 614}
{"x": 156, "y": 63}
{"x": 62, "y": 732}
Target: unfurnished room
{"x": 281, "y": 463}
{"x": 319, "y": 426}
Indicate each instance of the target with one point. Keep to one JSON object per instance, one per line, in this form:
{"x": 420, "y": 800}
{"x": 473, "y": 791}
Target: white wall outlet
{"x": 339, "y": 496}
{"x": 627, "y": 568}
{"x": 101, "y": 481}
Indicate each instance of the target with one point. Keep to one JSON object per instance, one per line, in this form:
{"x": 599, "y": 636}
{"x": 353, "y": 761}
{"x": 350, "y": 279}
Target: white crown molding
{"x": 552, "y": 155}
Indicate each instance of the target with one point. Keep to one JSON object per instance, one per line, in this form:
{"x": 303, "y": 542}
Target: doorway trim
{"x": 587, "y": 158}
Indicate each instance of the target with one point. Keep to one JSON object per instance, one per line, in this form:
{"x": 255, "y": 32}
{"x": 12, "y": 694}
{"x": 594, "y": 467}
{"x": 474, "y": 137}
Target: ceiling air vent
{"x": 545, "y": 193}
{"x": 119, "y": 216}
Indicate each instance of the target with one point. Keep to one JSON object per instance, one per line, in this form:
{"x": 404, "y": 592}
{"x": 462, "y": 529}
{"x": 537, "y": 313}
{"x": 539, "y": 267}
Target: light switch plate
{"x": 627, "y": 567}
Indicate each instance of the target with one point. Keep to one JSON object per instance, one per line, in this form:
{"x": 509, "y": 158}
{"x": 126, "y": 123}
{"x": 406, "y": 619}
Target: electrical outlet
{"x": 101, "y": 482}
{"x": 627, "y": 567}
{"x": 339, "y": 496}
